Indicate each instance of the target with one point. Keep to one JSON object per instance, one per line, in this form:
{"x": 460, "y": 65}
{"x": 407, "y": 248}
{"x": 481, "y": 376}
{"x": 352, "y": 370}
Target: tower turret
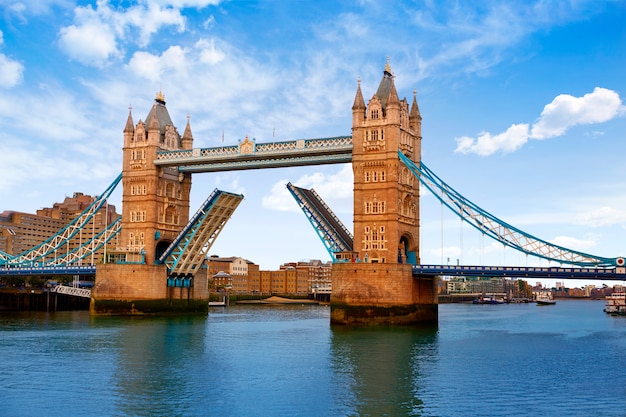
{"x": 129, "y": 129}
{"x": 187, "y": 136}
{"x": 358, "y": 108}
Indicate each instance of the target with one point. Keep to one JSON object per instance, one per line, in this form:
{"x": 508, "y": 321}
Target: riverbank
{"x": 279, "y": 300}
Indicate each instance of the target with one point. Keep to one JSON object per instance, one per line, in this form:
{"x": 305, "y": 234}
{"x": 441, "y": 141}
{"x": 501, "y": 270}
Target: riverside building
{"x": 20, "y": 232}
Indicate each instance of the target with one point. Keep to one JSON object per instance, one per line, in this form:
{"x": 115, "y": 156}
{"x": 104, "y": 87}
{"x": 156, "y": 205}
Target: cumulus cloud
{"x": 486, "y": 144}
{"x": 566, "y": 111}
{"x": 11, "y": 71}
{"x": 563, "y": 112}
{"x": 571, "y": 242}
{"x": 602, "y": 216}
{"x": 152, "y": 67}
{"x": 335, "y": 189}
{"x": 97, "y": 35}
{"x": 91, "y": 43}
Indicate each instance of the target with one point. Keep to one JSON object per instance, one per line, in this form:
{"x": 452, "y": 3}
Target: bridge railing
{"x": 77, "y": 292}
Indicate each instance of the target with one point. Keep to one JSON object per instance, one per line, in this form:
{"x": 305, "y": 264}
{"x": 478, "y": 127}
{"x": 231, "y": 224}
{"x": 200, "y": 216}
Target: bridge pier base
{"x": 370, "y": 294}
{"x": 136, "y": 289}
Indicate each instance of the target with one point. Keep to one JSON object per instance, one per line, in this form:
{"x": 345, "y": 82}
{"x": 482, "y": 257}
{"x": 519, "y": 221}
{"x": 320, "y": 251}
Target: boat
{"x": 616, "y": 304}
{"x": 545, "y": 301}
{"x": 488, "y": 300}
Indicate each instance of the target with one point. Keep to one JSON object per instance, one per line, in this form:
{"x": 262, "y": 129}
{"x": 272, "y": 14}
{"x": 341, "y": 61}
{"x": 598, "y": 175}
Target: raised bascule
{"x": 158, "y": 264}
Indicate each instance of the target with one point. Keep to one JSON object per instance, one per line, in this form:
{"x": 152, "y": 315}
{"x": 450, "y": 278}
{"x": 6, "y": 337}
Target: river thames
{"x": 503, "y": 360}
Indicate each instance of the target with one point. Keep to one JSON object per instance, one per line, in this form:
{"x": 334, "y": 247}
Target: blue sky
{"x": 522, "y": 104}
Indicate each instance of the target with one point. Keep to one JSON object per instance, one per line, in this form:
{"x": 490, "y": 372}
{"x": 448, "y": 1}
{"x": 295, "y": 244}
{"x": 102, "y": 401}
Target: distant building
{"x": 293, "y": 278}
{"x": 244, "y": 273}
{"x": 20, "y": 232}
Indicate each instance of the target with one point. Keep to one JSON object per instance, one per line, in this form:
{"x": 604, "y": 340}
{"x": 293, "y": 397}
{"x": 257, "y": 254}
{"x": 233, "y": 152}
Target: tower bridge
{"x": 157, "y": 264}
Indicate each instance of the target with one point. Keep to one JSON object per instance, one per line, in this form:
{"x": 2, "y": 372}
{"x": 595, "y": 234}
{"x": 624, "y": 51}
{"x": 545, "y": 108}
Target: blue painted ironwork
{"x": 187, "y": 252}
{"x": 251, "y": 155}
{"x": 521, "y": 272}
{"x": 334, "y": 235}
{"x": 498, "y": 229}
{"x": 52, "y": 244}
{"x": 48, "y": 270}
{"x": 90, "y": 247}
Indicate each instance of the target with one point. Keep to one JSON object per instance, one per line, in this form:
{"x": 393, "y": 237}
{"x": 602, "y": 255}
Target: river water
{"x": 504, "y": 360}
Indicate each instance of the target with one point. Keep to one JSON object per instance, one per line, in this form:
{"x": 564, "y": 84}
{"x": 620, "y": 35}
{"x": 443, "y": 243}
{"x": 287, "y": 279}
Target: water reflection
{"x": 153, "y": 361}
{"x": 382, "y": 367}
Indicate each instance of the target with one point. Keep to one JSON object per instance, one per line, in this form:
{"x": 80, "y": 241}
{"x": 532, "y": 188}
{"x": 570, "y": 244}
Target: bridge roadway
{"x": 608, "y": 274}
{"x": 615, "y": 274}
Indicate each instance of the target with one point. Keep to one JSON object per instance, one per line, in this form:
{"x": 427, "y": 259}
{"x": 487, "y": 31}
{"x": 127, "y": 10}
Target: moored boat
{"x": 545, "y": 301}
{"x": 488, "y": 300}
{"x": 616, "y": 304}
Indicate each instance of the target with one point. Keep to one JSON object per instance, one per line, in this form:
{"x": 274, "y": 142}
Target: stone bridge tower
{"x": 155, "y": 208}
{"x": 378, "y": 286}
{"x": 155, "y": 200}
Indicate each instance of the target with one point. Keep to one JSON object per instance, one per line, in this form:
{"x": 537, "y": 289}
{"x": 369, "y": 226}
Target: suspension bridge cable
{"x": 500, "y": 230}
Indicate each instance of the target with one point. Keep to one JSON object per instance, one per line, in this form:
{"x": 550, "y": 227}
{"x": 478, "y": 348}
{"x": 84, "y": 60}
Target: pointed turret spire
{"x": 187, "y": 136}
{"x": 415, "y": 110}
{"x": 130, "y": 126}
{"x": 359, "y": 103}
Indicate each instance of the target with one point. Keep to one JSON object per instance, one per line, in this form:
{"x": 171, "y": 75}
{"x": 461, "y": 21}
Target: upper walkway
{"x": 251, "y": 155}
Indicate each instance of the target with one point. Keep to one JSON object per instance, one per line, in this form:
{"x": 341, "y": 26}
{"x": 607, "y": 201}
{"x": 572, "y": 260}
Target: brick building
{"x": 245, "y": 277}
{"x": 20, "y": 232}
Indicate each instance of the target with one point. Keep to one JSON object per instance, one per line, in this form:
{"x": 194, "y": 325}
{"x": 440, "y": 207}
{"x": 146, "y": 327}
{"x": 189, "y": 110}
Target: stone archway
{"x": 407, "y": 250}
{"x": 160, "y": 248}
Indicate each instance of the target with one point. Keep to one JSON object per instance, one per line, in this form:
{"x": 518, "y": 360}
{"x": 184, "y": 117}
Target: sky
{"x": 523, "y": 107}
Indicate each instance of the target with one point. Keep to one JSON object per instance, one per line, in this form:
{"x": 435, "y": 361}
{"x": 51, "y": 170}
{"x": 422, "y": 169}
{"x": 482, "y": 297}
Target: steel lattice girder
{"x": 89, "y": 247}
{"x": 329, "y": 235}
{"x": 49, "y": 246}
{"x": 186, "y": 254}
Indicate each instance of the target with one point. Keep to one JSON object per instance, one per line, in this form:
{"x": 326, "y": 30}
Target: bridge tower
{"x": 155, "y": 208}
{"x": 155, "y": 200}
{"x": 378, "y": 286}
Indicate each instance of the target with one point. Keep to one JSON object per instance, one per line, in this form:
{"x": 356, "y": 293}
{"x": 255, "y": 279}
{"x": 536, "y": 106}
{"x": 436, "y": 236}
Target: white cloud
{"x": 98, "y": 35}
{"x": 602, "y": 216}
{"x": 180, "y": 4}
{"x": 280, "y": 198}
{"x": 571, "y": 242}
{"x": 486, "y": 144}
{"x": 150, "y": 19}
{"x": 152, "y": 67}
{"x": 335, "y": 189}
{"x": 91, "y": 43}
{"x": 566, "y": 111}
{"x": 208, "y": 52}
{"x": 11, "y": 71}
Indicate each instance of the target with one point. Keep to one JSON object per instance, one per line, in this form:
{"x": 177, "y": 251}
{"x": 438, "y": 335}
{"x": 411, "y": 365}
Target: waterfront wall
{"x": 39, "y": 300}
{"x": 367, "y": 293}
